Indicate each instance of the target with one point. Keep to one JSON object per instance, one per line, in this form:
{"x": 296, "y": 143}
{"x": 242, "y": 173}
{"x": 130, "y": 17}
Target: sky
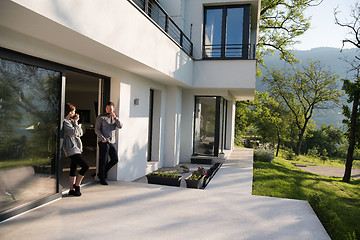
{"x": 323, "y": 31}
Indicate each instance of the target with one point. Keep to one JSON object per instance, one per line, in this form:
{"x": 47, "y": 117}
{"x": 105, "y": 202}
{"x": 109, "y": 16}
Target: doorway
{"x": 210, "y": 120}
{"x": 154, "y": 130}
{"x": 86, "y": 92}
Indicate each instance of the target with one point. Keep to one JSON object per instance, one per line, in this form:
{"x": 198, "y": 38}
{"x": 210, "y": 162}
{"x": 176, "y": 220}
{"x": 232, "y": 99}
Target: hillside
{"x": 332, "y": 60}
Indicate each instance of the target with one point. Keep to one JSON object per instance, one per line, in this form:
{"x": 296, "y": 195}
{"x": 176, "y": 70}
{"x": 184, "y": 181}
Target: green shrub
{"x": 251, "y": 142}
{"x": 238, "y": 141}
{"x": 289, "y": 154}
{"x": 263, "y": 155}
{"x": 313, "y": 152}
{"x": 324, "y": 155}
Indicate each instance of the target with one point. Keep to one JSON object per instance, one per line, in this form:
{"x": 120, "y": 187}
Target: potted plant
{"x": 169, "y": 178}
{"x": 196, "y": 179}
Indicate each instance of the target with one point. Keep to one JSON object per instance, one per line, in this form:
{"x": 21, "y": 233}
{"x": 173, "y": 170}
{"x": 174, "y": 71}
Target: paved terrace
{"x": 132, "y": 210}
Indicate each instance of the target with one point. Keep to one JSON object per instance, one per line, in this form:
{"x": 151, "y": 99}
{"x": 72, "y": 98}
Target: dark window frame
{"x": 246, "y": 32}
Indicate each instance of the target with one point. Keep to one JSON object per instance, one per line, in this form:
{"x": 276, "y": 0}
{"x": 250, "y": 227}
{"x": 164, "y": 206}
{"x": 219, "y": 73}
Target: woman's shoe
{"x": 72, "y": 192}
{"x": 77, "y": 191}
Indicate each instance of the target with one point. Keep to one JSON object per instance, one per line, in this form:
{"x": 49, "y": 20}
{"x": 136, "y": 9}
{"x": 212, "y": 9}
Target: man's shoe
{"x": 103, "y": 182}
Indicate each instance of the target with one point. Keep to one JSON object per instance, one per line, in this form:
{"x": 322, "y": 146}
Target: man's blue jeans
{"x": 106, "y": 149}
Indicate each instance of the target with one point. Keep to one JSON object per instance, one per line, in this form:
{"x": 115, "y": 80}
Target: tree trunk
{"x": 298, "y": 145}
{"x": 352, "y": 140}
{"x": 278, "y": 144}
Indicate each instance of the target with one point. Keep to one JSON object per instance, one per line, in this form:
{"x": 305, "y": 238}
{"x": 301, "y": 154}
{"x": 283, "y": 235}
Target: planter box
{"x": 197, "y": 160}
{"x": 169, "y": 181}
{"x": 194, "y": 183}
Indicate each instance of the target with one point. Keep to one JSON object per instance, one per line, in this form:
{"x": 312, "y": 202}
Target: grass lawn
{"x": 9, "y": 164}
{"x": 336, "y": 203}
{"x": 331, "y": 162}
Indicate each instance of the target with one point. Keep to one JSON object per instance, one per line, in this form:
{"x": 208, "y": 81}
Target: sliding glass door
{"x": 29, "y": 118}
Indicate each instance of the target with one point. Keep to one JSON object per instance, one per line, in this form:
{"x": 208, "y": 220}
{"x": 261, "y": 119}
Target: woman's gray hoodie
{"x": 72, "y": 134}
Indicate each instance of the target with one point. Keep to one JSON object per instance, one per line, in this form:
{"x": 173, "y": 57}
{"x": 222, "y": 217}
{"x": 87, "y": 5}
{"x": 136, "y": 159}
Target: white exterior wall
{"x": 125, "y": 86}
{"x": 99, "y": 39}
{"x": 236, "y": 75}
{"x": 187, "y": 130}
{"x": 173, "y": 126}
{"x": 101, "y": 30}
{"x": 133, "y": 137}
{"x": 230, "y": 133}
{"x": 176, "y": 10}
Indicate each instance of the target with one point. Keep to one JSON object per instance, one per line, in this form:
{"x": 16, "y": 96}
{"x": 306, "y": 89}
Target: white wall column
{"x": 172, "y": 126}
{"x": 230, "y": 133}
{"x": 114, "y": 97}
{"x": 187, "y": 126}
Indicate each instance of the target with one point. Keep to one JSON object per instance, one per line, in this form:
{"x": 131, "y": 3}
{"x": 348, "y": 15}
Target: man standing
{"x": 105, "y": 127}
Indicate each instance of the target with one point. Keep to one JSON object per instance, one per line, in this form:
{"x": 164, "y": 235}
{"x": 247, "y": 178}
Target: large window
{"x": 226, "y": 32}
{"x": 29, "y": 119}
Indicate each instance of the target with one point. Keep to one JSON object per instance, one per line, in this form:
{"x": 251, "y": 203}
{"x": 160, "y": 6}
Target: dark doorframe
{"x": 217, "y": 127}
{"x": 151, "y": 121}
{"x": 43, "y": 63}
{"x": 220, "y": 121}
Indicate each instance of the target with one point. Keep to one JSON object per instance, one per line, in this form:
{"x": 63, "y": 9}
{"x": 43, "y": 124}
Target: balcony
{"x": 152, "y": 9}
{"x": 230, "y": 51}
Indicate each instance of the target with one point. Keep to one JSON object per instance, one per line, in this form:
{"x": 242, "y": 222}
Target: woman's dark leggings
{"x": 75, "y": 160}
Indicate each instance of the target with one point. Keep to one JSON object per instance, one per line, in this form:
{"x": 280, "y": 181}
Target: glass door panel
{"x": 29, "y": 117}
{"x": 205, "y": 117}
{"x": 234, "y": 32}
{"x": 213, "y": 29}
{"x": 221, "y": 126}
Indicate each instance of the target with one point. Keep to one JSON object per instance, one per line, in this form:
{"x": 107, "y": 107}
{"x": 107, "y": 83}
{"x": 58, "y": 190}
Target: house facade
{"x": 174, "y": 70}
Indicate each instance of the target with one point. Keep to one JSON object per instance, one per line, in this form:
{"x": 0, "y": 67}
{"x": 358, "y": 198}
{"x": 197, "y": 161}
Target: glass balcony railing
{"x": 158, "y": 15}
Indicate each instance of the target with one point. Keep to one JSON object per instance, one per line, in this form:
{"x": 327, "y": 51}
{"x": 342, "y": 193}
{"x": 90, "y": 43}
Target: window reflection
{"x": 213, "y": 32}
{"x": 234, "y": 32}
{"x": 29, "y": 116}
{"x": 205, "y": 118}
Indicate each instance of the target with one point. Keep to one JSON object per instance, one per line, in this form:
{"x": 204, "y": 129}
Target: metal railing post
{"x": 167, "y": 20}
{"x": 146, "y": 7}
{"x": 181, "y": 38}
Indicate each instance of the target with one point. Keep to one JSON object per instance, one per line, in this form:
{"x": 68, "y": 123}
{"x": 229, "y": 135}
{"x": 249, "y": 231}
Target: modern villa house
{"x": 174, "y": 70}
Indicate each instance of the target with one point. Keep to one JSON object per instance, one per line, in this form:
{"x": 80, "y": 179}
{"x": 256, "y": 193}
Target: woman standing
{"x": 73, "y": 149}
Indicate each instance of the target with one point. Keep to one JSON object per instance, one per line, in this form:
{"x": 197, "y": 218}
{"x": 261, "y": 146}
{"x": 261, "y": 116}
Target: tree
{"x": 303, "y": 91}
{"x": 326, "y": 139}
{"x": 281, "y": 22}
{"x": 352, "y": 89}
{"x": 241, "y": 121}
{"x": 270, "y": 119}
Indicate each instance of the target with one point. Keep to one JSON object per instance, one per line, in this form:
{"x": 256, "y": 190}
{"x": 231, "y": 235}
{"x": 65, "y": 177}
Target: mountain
{"x": 333, "y": 60}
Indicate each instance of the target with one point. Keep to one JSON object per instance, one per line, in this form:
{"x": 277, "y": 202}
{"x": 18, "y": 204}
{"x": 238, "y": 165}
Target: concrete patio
{"x": 134, "y": 210}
